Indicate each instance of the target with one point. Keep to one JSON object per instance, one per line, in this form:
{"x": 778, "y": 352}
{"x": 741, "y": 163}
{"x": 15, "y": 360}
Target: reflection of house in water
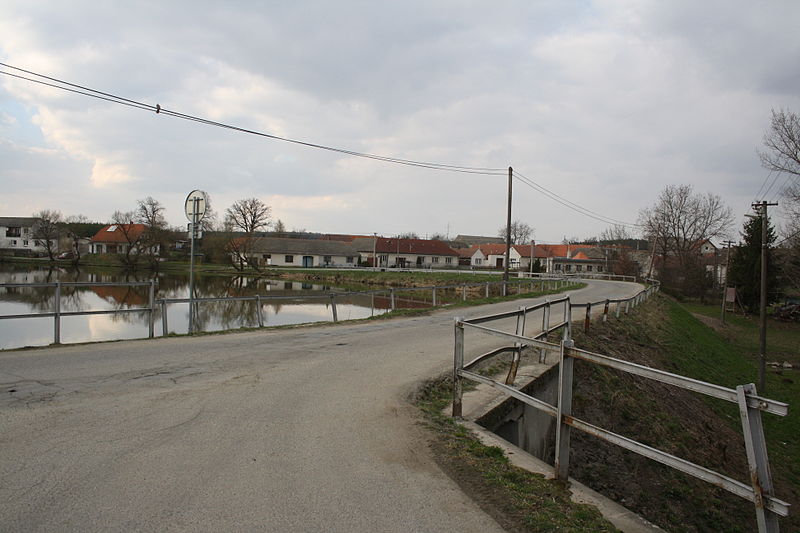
{"x": 121, "y": 295}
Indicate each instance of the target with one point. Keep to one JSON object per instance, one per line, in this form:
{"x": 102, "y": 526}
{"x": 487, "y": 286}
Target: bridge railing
{"x": 760, "y": 490}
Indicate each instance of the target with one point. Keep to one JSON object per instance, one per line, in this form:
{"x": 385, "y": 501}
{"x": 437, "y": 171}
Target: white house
{"x": 406, "y": 253}
{"x": 17, "y": 236}
{"x": 274, "y": 251}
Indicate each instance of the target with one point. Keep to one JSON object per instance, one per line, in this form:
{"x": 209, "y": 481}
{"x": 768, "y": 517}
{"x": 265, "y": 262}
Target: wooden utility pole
{"x": 761, "y": 208}
{"x": 725, "y": 285}
{"x": 508, "y": 234}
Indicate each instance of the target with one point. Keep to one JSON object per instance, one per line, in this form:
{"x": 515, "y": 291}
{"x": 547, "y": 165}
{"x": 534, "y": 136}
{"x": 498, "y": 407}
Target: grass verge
{"x": 519, "y": 500}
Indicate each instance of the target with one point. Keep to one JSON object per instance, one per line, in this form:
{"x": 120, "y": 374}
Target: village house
{"x": 277, "y": 251}
{"x": 406, "y": 253}
{"x": 17, "y": 236}
{"x": 119, "y": 239}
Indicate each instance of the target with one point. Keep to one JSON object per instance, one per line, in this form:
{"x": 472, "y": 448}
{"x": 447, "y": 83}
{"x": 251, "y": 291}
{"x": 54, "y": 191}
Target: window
{"x": 326, "y": 259}
{"x": 578, "y": 268}
{"x": 478, "y": 260}
{"x": 13, "y": 232}
{"x": 112, "y": 228}
{"x": 448, "y": 260}
{"x": 568, "y": 268}
{"x": 558, "y": 266}
{"x": 588, "y": 268}
{"x": 24, "y": 243}
{"x": 13, "y": 243}
{"x": 599, "y": 268}
{"x": 267, "y": 256}
{"x": 434, "y": 259}
{"x": 350, "y": 260}
{"x": 288, "y": 259}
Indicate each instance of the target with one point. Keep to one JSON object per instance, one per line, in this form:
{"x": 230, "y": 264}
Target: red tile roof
{"x": 407, "y": 246}
{"x": 116, "y": 233}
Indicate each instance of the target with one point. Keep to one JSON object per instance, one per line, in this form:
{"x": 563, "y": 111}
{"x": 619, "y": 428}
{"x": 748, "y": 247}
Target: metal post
{"x": 588, "y": 318}
{"x": 151, "y": 323}
{"x": 567, "y": 319}
{"x": 564, "y": 410}
{"x": 195, "y": 202}
{"x": 627, "y": 306}
{"x": 164, "y": 328}
{"x": 512, "y": 372}
{"x": 458, "y": 366}
{"x": 605, "y": 311}
{"x": 725, "y": 285}
{"x": 756, "y": 448}
{"x": 619, "y": 304}
{"x": 258, "y": 311}
{"x": 762, "y": 338}
{"x": 545, "y": 329}
{"x": 487, "y": 289}
{"x": 57, "y": 315}
{"x": 464, "y": 292}
{"x": 333, "y": 308}
{"x": 433, "y": 295}
{"x": 391, "y": 298}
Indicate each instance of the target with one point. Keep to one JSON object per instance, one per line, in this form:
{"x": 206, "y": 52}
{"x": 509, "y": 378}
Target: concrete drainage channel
{"x": 527, "y": 436}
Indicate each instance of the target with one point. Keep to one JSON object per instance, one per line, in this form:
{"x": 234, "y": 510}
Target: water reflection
{"x": 280, "y": 304}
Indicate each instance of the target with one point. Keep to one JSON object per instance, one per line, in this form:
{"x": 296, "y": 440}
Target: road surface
{"x": 295, "y": 430}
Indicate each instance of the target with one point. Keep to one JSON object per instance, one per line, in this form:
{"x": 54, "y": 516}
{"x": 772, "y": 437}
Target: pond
{"x": 285, "y": 302}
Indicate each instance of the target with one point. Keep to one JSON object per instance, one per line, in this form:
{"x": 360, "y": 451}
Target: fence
{"x": 760, "y": 490}
{"x": 394, "y": 294}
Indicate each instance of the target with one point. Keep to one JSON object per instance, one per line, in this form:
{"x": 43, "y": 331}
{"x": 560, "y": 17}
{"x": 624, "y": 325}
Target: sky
{"x": 603, "y": 103}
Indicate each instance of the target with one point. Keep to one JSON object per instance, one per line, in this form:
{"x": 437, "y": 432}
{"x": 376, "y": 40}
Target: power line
{"x": 109, "y": 97}
{"x": 571, "y": 205}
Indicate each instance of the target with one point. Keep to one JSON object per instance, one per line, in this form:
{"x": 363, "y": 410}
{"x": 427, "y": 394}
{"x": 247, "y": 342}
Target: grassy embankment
{"x": 664, "y": 334}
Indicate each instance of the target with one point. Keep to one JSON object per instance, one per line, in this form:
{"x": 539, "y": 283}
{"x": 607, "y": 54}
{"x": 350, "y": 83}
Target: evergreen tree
{"x": 745, "y": 267}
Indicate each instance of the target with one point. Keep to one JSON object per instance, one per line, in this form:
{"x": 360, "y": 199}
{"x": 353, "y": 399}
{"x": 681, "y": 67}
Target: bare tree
{"x": 47, "y": 230}
{"x": 408, "y": 235}
{"x": 783, "y": 143}
{"x": 249, "y": 215}
{"x": 150, "y": 212}
{"x": 521, "y": 233}
{"x": 124, "y": 220}
{"x": 680, "y": 221}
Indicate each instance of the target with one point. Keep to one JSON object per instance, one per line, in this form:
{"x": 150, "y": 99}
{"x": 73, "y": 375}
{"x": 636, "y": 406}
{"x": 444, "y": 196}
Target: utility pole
{"x": 374, "y": 248}
{"x": 725, "y": 285}
{"x": 508, "y": 234}
{"x": 761, "y": 208}
{"x": 533, "y": 248}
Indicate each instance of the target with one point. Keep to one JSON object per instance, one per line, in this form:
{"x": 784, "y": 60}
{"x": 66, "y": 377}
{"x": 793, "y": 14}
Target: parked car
{"x": 66, "y": 255}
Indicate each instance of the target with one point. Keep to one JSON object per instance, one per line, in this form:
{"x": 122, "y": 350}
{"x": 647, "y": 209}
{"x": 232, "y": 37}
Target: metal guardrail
{"x": 395, "y": 296}
{"x": 759, "y": 491}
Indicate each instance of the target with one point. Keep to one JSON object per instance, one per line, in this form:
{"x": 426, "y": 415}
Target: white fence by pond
{"x": 759, "y": 491}
{"x": 395, "y": 298}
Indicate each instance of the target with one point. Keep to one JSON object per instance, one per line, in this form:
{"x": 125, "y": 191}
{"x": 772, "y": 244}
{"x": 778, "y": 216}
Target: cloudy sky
{"x": 603, "y": 103}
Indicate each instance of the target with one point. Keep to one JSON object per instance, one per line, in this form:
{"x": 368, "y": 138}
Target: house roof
{"x": 277, "y": 245}
{"x": 422, "y": 247}
{"x": 119, "y": 233}
{"x": 22, "y": 222}
{"x": 342, "y": 237}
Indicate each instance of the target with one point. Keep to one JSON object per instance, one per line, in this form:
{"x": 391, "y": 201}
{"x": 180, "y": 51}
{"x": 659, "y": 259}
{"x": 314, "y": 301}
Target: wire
{"x": 571, "y": 205}
{"x": 758, "y": 194}
{"x": 86, "y": 91}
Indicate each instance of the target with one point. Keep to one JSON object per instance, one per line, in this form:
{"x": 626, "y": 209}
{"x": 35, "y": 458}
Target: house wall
{"x": 282, "y": 259}
{"x": 21, "y": 238}
{"x": 394, "y": 260}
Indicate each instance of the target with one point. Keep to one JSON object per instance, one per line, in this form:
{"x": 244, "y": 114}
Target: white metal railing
{"x": 759, "y": 491}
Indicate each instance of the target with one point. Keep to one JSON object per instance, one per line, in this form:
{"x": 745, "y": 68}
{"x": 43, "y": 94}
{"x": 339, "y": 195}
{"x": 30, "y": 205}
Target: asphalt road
{"x": 298, "y": 430}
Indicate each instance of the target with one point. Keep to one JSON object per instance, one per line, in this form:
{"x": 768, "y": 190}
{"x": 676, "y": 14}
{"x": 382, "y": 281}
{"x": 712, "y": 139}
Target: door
{"x": 499, "y": 262}
{"x": 308, "y": 261}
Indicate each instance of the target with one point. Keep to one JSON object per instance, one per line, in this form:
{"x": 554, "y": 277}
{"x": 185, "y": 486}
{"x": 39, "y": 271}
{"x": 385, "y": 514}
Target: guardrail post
{"x": 464, "y": 292}
{"x": 391, "y": 298}
{"x": 567, "y": 319}
{"x": 605, "y": 311}
{"x": 333, "y": 308}
{"x": 259, "y": 316}
{"x": 545, "y": 330}
{"x": 627, "y": 306}
{"x": 588, "y": 318}
{"x": 512, "y": 372}
{"x": 433, "y": 295}
{"x": 487, "y": 289}
{"x": 458, "y": 366}
{"x": 57, "y": 315}
{"x": 756, "y": 448}
{"x": 505, "y": 288}
{"x": 151, "y": 319}
{"x": 164, "y": 328}
{"x": 619, "y": 304}
{"x": 564, "y": 410}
